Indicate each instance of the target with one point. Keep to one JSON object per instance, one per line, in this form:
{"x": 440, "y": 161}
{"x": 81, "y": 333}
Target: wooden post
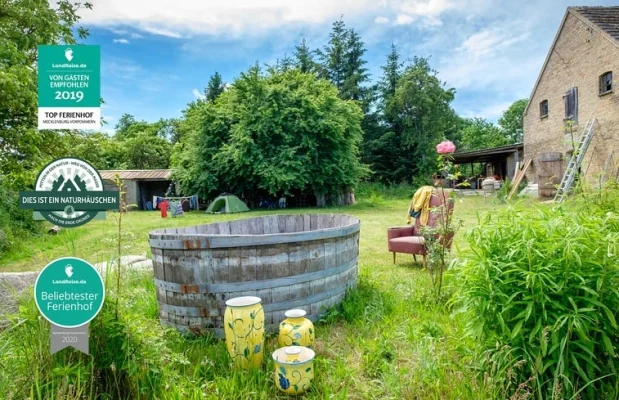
{"x": 517, "y": 179}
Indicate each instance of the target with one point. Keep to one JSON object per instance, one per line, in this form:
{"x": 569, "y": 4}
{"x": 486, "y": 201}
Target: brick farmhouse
{"x": 578, "y": 82}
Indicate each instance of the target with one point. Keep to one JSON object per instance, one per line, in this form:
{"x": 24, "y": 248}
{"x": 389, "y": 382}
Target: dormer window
{"x": 606, "y": 82}
{"x": 543, "y": 109}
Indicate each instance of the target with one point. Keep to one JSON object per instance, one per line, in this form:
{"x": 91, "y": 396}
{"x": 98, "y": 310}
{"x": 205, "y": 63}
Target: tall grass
{"x": 388, "y": 339}
{"x": 539, "y": 289}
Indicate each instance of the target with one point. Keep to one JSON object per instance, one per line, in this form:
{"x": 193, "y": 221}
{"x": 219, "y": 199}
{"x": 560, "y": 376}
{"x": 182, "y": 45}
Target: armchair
{"x": 408, "y": 239}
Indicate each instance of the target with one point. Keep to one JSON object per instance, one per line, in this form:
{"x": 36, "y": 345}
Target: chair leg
{"x": 394, "y": 257}
{"x": 415, "y": 257}
{"x": 425, "y": 261}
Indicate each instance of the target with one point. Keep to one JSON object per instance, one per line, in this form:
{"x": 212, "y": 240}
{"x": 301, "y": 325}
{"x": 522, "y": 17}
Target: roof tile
{"x": 605, "y": 18}
{"x": 137, "y": 174}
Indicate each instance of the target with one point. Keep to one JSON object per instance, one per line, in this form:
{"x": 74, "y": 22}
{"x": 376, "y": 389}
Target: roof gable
{"x": 603, "y": 19}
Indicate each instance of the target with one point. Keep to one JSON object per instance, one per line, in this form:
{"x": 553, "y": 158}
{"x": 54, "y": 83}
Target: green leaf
{"x": 543, "y": 340}
{"x": 517, "y": 328}
{"x": 608, "y": 345}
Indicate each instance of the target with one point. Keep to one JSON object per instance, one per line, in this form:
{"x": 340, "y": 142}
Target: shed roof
{"x": 486, "y": 154}
{"x": 138, "y": 174}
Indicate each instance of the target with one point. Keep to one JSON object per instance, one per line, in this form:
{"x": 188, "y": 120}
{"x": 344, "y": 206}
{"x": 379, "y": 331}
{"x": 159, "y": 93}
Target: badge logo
{"x": 69, "y": 293}
{"x": 68, "y": 53}
{"x": 69, "y": 193}
{"x": 69, "y": 303}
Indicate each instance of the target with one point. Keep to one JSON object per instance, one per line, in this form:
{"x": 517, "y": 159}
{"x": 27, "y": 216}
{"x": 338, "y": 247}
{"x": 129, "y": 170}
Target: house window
{"x": 606, "y": 82}
{"x": 543, "y": 109}
{"x": 571, "y": 104}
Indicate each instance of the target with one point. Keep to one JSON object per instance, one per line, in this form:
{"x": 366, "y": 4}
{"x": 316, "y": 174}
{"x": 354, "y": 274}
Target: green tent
{"x": 226, "y": 203}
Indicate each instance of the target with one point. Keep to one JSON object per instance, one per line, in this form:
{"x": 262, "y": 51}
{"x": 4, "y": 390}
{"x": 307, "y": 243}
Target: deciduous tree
{"x": 480, "y": 134}
{"x": 276, "y": 132}
{"x": 511, "y": 121}
{"x": 24, "y": 24}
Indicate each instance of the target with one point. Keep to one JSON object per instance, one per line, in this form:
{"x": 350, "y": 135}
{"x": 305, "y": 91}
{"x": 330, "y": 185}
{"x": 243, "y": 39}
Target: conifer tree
{"x": 304, "y": 59}
{"x": 214, "y": 88}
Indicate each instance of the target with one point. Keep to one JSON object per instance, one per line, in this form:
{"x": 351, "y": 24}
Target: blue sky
{"x": 157, "y": 55}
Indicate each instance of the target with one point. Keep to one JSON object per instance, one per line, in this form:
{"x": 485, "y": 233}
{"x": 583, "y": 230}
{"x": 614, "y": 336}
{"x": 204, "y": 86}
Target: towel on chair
{"x": 420, "y": 206}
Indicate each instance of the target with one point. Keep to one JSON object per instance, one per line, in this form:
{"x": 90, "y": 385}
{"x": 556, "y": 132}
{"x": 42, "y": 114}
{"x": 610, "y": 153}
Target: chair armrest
{"x": 400, "y": 231}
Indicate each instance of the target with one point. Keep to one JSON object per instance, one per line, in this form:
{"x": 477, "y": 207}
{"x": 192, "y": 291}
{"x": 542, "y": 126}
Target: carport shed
{"x": 140, "y": 185}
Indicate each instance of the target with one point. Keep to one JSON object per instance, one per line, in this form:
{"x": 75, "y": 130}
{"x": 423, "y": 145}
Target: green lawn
{"x": 389, "y": 341}
{"x": 96, "y": 241}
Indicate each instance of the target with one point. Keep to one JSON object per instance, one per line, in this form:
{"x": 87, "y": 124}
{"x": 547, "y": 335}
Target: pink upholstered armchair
{"x": 408, "y": 239}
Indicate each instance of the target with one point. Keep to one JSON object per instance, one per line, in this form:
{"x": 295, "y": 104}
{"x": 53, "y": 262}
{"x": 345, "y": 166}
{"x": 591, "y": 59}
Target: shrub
{"x": 539, "y": 291}
{"x": 14, "y": 222}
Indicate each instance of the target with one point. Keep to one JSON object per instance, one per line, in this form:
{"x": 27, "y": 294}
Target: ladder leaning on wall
{"x": 576, "y": 161}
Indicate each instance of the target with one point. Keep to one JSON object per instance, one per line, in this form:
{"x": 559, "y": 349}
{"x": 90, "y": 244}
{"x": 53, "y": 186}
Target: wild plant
{"x": 539, "y": 290}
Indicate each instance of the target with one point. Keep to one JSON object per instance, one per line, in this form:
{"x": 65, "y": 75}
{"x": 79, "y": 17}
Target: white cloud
{"x": 136, "y": 36}
{"x": 381, "y": 20}
{"x": 431, "y": 8}
{"x": 493, "y": 57}
{"x": 161, "y": 31}
{"x": 196, "y": 93}
{"x": 404, "y": 19}
{"x": 238, "y": 17}
{"x": 491, "y": 111}
{"x": 491, "y": 41}
{"x": 121, "y": 41}
{"x": 118, "y": 31}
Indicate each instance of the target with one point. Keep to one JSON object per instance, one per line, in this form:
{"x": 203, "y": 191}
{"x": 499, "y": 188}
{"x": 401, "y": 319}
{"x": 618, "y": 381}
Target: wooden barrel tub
{"x": 289, "y": 261}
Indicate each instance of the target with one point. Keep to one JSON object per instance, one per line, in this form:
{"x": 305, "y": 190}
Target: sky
{"x": 157, "y": 55}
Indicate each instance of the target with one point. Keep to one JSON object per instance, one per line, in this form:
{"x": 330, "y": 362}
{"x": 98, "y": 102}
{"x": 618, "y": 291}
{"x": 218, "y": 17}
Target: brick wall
{"x": 581, "y": 54}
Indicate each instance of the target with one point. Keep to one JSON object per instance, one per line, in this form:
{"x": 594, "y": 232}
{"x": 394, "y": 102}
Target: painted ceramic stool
{"x": 244, "y": 330}
{"x": 296, "y": 330}
{"x": 294, "y": 369}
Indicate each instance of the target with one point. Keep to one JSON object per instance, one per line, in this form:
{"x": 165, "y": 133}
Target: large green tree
{"x": 128, "y": 127}
{"x": 333, "y": 55}
{"x": 511, "y": 122}
{"x": 382, "y": 131}
{"x": 478, "y": 134}
{"x": 278, "y": 132}
{"x": 356, "y": 72}
{"x": 24, "y": 24}
{"x": 421, "y": 107}
{"x": 343, "y": 63}
{"x": 102, "y": 151}
{"x": 145, "y": 151}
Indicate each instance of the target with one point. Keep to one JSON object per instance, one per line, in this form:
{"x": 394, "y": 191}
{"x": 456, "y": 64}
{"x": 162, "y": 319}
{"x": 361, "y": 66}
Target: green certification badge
{"x": 69, "y": 87}
{"x": 69, "y": 293}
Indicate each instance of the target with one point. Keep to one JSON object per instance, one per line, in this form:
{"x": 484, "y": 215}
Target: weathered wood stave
{"x": 311, "y": 268}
